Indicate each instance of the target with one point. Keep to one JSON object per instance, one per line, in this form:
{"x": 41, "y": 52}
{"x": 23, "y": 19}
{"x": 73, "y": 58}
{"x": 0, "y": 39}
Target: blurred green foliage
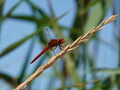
{"x": 89, "y": 13}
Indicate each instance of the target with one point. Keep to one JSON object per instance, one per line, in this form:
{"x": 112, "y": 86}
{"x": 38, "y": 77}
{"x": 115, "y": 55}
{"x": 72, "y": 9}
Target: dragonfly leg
{"x": 54, "y": 49}
{"x": 54, "y": 52}
{"x": 60, "y": 46}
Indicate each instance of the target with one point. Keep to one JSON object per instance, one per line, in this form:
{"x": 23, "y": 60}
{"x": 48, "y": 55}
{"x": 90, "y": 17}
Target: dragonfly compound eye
{"x": 61, "y": 40}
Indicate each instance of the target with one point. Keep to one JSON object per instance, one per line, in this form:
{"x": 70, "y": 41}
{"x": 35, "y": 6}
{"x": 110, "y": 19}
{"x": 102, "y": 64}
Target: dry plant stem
{"x": 68, "y": 48}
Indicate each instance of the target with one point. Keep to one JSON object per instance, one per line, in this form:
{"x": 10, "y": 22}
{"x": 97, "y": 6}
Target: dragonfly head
{"x": 61, "y": 40}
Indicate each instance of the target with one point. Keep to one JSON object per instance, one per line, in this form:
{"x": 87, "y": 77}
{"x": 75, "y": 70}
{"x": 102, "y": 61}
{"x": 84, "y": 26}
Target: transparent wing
{"x": 47, "y": 35}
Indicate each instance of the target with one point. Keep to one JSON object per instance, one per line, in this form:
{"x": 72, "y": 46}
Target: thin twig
{"x": 68, "y": 48}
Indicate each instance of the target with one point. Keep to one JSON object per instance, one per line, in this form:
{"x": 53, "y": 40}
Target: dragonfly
{"x": 51, "y": 45}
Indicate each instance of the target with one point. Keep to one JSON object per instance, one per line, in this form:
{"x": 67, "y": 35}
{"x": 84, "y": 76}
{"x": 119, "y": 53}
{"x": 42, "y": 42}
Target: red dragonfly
{"x": 52, "y": 45}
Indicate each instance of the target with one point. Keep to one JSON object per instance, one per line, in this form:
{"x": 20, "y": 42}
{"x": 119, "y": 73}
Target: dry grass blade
{"x": 78, "y": 39}
{"x": 68, "y": 48}
{"x": 80, "y": 86}
{"x": 112, "y": 18}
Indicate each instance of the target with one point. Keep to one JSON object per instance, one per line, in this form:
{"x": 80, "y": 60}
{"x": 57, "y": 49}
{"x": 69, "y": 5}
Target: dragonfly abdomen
{"x": 44, "y": 50}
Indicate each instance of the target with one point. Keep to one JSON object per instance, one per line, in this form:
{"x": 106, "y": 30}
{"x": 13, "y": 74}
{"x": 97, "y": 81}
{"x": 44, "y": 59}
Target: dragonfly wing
{"x": 47, "y": 35}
